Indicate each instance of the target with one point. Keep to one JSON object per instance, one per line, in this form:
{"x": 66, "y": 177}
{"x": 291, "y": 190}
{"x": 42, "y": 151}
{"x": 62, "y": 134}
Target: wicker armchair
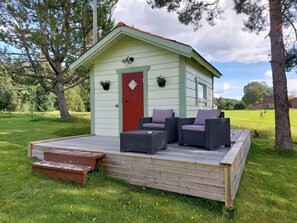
{"x": 162, "y": 120}
{"x": 208, "y": 130}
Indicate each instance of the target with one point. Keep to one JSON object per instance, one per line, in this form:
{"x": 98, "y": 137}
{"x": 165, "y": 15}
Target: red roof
{"x": 123, "y": 24}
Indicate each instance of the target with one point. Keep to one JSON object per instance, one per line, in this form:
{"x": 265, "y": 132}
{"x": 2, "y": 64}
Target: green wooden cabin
{"x": 131, "y": 60}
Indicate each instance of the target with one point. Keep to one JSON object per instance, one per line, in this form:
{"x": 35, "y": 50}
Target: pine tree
{"x": 277, "y": 15}
{"x": 43, "y": 37}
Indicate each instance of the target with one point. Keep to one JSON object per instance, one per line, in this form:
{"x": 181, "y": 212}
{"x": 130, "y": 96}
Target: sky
{"x": 241, "y": 57}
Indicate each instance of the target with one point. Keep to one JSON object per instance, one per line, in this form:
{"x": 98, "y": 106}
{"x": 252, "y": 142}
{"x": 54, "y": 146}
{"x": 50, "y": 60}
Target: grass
{"x": 267, "y": 192}
{"x": 251, "y": 119}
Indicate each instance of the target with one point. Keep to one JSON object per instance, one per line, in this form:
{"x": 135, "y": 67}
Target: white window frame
{"x": 201, "y": 93}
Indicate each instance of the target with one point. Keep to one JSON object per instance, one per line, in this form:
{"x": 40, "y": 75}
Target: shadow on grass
{"x": 77, "y": 125}
{"x": 75, "y": 130}
{"x": 261, "y": 134}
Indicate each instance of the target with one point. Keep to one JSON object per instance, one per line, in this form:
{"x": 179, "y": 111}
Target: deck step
{"x": 64, "y": 171}
{"x": 73, "y": 157}
{"x": 69, "y": 165}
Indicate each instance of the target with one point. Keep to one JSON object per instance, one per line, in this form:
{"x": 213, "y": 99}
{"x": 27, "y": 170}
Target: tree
{"x": 255, "y": 92}
{"x": 279, "y": 14}
{"x": 229, "y": 105}
{"x": 85, "y": 94}
{"x": 240, "y": 106}
{"x": 75, "y": 102}
{"x": 220, "y": 102}
{"x": 42, "y": 38}
{"x": 5, "y": 101}
{"x": 12, "y": 99}
{"x": 225, "y": 103}
{"x": 44, "y": 102}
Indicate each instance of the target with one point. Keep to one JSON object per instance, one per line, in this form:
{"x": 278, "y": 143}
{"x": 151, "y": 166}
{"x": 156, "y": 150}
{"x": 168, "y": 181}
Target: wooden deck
{"x": 187, "y": 170}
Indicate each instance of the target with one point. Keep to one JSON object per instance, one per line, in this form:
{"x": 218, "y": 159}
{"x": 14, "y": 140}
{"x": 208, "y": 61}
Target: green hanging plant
{"x": 105, "y": 84}
{"x": 161, "y": 81}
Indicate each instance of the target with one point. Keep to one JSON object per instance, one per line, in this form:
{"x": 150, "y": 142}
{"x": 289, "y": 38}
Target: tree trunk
{"x": 283, "y": 139}
{"x": 64, "y": 114}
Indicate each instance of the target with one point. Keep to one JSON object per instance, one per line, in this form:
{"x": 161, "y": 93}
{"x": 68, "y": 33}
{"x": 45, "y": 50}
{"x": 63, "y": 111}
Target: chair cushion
{"x": 194, "y": 127}
{"x": 202, "y": 115}
{"x": 159, "y": 115}
{"x": 154, "y": 125}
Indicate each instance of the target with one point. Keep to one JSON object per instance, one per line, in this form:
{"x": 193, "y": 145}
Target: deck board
{"x": 112, "y": 144}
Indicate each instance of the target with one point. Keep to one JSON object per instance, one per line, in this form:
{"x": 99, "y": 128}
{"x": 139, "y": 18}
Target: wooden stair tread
{"x": 62, "y": 166}
{"x": 79, "y": 153}
{"x": 71, "y": 165}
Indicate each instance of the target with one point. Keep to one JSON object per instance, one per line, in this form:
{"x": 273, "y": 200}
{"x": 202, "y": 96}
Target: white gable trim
{"x": 119, "y": 32}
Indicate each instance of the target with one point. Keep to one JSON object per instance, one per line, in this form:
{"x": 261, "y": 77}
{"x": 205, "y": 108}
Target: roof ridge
{"x": 121, "y": 24}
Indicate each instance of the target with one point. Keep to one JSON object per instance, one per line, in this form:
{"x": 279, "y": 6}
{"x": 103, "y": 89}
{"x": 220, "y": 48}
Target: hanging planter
{"x": 161, "y": 81}
{"x": 105, "y": 85}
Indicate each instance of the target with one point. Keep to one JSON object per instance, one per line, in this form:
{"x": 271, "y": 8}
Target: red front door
{"x": 132, "y": 85}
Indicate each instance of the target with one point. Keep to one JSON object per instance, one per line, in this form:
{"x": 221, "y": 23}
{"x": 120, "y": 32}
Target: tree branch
{"x": 45, "y": 86}
{"x": 292, "y": 24}
{"x": 34, "y": 76}
{"x": 211, "y": 4}
{"x": 70, "y": 78}
{"x": 75, "y": 84}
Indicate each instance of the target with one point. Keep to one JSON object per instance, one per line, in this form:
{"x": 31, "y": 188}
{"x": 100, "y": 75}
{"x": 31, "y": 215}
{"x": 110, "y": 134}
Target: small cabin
{"x": 124, "y": 67}
{"x": 266, "y": 103}
{"x": 293, "y": 103}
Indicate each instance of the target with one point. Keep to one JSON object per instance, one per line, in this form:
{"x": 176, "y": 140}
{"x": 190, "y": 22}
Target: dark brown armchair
{"x": 162, "y": 120}
{"x": 208, "y": 130}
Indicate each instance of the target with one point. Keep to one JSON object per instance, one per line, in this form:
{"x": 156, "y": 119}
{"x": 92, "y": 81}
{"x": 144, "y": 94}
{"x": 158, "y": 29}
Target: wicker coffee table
{"x": 143, "y": 141}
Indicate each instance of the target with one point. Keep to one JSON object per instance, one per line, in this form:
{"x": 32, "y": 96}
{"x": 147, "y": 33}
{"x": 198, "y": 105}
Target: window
{"x": 201, "y": 95}
{"x": 201, "y": 91}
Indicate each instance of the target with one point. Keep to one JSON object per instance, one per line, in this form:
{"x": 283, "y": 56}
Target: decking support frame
{"x": 211, "y": 180}
{"x": 233, "y": 164}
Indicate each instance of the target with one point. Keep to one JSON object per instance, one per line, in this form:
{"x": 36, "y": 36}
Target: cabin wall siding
{"x": 194, "y": 71}
{"x": 161, "y": 62}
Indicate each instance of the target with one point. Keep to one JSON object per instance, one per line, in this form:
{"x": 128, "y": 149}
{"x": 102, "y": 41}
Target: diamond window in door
{"x": 132, "y": 84}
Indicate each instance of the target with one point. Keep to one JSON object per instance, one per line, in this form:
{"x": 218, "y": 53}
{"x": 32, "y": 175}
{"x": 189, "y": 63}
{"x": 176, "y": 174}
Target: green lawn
{"x": 267, "y": 192}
